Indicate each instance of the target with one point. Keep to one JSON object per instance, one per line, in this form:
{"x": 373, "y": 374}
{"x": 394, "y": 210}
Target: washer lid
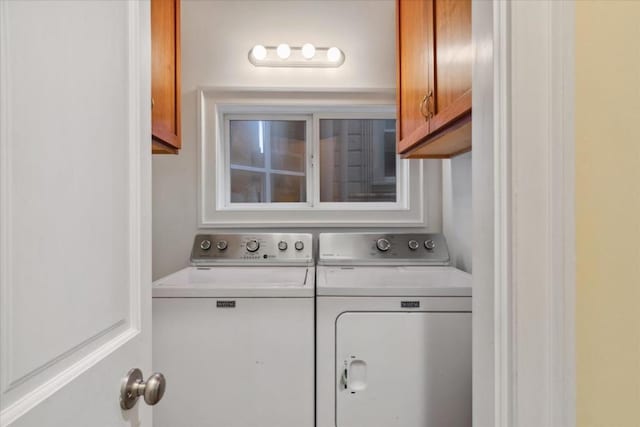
{"x": 393, "y": 281}
{"x": 246, "y": 282}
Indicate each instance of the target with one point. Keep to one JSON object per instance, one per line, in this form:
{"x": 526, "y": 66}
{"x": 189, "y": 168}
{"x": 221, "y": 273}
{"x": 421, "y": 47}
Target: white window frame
{"x": 217, "y": 106}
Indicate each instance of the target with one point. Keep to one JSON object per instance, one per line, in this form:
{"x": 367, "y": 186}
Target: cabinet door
{"x": 398, "y": 369}
{"x": 165, "y": 75}
{"x": 451, "y": 75}
{"x": 434, "y": 78}
{"x": 414, "y": 50}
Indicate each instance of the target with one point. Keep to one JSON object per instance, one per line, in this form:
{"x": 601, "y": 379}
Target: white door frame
{"x": 524, "y": 227}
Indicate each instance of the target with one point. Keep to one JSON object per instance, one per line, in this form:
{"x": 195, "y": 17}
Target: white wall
{"x": 216, "y": 38}
{"x": 456, "y": 209}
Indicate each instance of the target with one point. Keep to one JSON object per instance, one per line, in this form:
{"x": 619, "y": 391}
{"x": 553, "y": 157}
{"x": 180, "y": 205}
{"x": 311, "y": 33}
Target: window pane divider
{"x": 315, "y": 160}
{"x": 267, "y": 156}
{"x": 265, "y": 170}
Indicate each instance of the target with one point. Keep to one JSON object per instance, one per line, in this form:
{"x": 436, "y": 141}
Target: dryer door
{"x": 403, "y": 369}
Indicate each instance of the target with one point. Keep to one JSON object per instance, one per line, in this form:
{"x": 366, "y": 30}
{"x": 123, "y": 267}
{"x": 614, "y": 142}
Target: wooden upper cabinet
{"x": 434, "y": 77}
{"x": 414, "y": 43}
{"x": 165, "y": 76}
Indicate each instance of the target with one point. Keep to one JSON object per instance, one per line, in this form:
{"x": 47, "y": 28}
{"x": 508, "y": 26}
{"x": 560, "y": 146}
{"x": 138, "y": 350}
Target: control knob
{"x": 299, "y": 245}
{"x": 222, "y": 245}
{"x": 253, "y": 245}
{"x": 205, "y": 245}
{"x": 282, "y": 245}
{"x": 413, "y": 245}
{"x": 429, "y": 245}
{"x": 383, "y": 244}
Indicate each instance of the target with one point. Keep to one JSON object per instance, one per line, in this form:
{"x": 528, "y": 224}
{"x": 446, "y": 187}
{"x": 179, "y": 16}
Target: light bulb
{"x": 334, "y": 54}
{"x": 259, "y": 52}
{"x": 283, "y": 51}
{"x": 308, "y": 50}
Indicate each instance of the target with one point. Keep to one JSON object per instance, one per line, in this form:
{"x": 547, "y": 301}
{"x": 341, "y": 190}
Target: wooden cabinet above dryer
{"x": 434, "y": 59}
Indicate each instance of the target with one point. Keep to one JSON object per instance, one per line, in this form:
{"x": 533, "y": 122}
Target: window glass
{"x": 287, "y": 145}
{"x": 248, "y": 187}
{"x": 357, "y": 160}
{"x": 267, "y": 161}
{"x": 288, "y": 188}
{"x": 246, "y": 143}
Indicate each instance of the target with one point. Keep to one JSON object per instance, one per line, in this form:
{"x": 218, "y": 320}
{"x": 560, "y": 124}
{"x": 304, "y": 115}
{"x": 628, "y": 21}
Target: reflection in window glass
{"x": 267, "y": 161}
{"x": 357, "y": 160}
{"x": 246, "y": 143}
{"x": 247, "y": 187}
{"x": 288, "y": 188}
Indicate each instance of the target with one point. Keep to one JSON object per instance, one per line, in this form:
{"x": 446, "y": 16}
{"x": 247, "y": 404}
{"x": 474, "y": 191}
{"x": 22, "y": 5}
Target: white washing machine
{"x": 234, "y": 334}
{"x": 393, "y": 325}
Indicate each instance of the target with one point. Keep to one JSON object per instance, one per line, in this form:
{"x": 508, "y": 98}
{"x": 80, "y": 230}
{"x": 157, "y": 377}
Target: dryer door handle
{"x": 344, "y": 378}
{"x": 354, "y": 375}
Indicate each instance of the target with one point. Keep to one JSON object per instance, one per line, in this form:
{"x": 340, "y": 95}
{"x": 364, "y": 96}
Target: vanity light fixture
{"x": 283, "y": 50}
{"x": 259, "y": 52}
{"x": 307, "y": 56}
{"x": 308, "y": 50}
{"x": 334, "y": 54}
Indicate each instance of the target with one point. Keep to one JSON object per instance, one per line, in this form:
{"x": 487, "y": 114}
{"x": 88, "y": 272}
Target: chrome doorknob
{"x": 133, "y": 387}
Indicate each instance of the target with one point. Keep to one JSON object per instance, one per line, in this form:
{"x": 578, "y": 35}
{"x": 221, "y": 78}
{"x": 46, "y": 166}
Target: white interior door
{"x": 75, "y": 210}
{"x": 403, "y": 369}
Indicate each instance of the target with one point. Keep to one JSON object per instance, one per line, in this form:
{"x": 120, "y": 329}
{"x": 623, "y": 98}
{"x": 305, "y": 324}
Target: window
{"x": 357, "y": 163}
{"x": 267, "y": 161}
{"x": 304, "y": 159}
{"x": 268, "y": 157}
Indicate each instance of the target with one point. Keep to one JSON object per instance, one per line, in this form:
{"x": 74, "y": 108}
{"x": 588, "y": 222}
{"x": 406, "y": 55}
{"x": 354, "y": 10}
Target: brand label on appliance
{"x": 226, "y": 304}
{"x": 410, "y": 304}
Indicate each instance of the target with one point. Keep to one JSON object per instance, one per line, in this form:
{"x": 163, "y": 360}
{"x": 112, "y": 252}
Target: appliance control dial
{"x": 413, "y": 244}
{"x": 282, "y": 245}
{"x": 253, "y": 245}
{"x": 205, "y": 245}
{"x": 383, "y": 245}
{"x": 222, "y": 245}
{"x": 299, "y": 245}
{"x": 429, "y": 245}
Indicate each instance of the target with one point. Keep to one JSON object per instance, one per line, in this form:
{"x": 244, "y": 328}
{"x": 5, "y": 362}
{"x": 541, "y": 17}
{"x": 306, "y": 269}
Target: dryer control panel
{"x": 255, "y": 249}
{"x": 383, "y": 249}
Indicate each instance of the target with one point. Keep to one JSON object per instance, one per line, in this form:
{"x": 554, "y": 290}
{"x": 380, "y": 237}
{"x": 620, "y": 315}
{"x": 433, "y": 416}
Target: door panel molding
{"x": 13, "y": 383}
{"x": 24, "y": 390}
{"x": 64, "y": 377}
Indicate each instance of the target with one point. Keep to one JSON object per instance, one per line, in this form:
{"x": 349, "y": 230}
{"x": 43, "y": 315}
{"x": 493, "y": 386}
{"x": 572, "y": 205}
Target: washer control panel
{"x": 263, "y": 248}
{"x": 389, "y": 249}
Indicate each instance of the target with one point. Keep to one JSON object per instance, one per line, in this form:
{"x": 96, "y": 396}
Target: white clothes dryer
{"x": 393, "y": 325}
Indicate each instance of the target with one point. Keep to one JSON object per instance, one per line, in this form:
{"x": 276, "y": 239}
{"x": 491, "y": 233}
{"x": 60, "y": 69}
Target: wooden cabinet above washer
{"x": 165, "y": 76}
